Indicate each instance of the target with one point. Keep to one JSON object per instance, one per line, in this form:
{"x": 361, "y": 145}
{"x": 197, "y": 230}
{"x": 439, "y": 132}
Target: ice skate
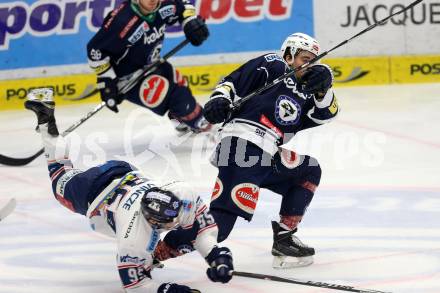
{"x": 288, "y": 250}
{"x": 40, "y": 101}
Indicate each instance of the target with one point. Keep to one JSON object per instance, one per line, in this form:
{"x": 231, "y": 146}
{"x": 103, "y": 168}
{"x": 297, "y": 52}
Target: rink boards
{"x": 349, "y": 71}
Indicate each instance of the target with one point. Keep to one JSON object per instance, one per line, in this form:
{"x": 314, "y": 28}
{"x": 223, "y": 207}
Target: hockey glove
{"x": 317, "y": 79}
{"x": 109, "y": 92}
{"x": 221, "y": 267}
{"x": 175, "y": 288}
{"x": 196, "y": 31}
{"x": 218, "y": 107}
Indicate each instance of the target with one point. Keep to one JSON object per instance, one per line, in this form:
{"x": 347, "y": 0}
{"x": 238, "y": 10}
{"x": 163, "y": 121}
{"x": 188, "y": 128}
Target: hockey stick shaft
{"x": 305, "y": 283}
{"x": 130, "y": 82}
{"x": 236, "y": 105}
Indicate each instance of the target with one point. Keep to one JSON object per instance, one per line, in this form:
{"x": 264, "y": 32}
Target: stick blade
{"x": 8, "y": 209}
{"x": 8, "y": 161}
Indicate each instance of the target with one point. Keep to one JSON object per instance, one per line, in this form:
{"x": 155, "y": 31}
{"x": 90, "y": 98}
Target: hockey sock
{"x": 55, "y": 147}
{"x": 290, "y": 222}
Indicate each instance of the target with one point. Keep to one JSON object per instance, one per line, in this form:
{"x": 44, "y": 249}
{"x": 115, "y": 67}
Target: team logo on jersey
{"x": 63, "y": 180}
{"x": 245, "y": 196}
{"x": 153, "y": 90}
{"x": 291, "y": 84}
{"x": 130, "y": 225}
{"x": 95, "y": 54}
{"x": 155, "y": 237}
{"x": 290, "y": 159}
{"x": 272, "y": 57}
{"x": 135, "y": 195}
{"x": 128, "y": 27}
{"x": 155, "y": 35}
{"x": 139, "y": 32}
{"x": 166, "y": 11}
{"x": 187, "y": 205}
{"x": 218, "y": 189}
{"x": 287, "y": 110}
{"x": 132, "y": 259}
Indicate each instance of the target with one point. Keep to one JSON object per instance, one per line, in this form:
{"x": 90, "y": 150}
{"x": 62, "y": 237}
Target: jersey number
{"x": 205, "y": 219}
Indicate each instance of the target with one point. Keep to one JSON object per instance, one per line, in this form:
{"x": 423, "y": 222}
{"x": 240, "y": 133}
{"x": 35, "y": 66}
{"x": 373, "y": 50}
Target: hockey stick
{"x": 236, "y": 105}
{"x": 305, "y": 283}
{"x": 126, "y": 83}
{"x": 24, "y": 161}
{"x": 7, "y": 209}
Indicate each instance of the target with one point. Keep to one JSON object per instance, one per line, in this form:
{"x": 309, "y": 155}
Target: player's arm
{"x": 101, "y": 49}
{"x": 135, "y": 273}
{"x": 193, "y": 25}
{"x": 195, "y": 213}
{"x": 249, "y": 77}
{"x": 218, "y": 258}
{"x": 318, "y": 81}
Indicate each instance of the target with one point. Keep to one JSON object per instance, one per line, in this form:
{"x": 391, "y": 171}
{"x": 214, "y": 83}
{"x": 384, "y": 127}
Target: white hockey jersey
{"x": 116, "y": 212}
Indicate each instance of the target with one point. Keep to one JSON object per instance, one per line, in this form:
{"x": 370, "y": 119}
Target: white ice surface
{"x": 374, "y": 220}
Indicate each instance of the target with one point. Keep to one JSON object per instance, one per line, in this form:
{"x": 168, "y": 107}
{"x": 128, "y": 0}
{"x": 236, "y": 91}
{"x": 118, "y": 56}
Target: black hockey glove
{"x": 317, "y": 79}
{"x": 220, "y": 262}
{"x": 218, "y": 107}
{"x": 175, "y": 288}
{"x": 196, "y": 31}
{"x": 109, "y": 92}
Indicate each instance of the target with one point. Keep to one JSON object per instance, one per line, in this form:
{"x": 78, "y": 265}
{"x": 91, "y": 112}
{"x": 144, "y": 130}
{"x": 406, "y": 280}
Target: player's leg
{"x": 181, "y": 241}
{"x": 164, "y": 91}
{"x": 235, "y": 194}
{"x": 296, "y": 180}
{"x": 73, "y": 188}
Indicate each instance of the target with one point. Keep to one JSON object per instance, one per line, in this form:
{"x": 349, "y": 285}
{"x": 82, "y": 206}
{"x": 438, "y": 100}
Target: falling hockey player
{"x": 130, "y": 38}
{"x": 249, "y": 156}
{"x": 123, "y": 203}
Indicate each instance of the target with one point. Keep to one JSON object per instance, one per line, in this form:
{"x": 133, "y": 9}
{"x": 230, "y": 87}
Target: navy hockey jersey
{"x": 128, "y": 40}
{"x": 275, "y": 115}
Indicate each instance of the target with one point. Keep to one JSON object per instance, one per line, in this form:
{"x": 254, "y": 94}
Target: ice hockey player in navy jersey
{"x": 250, "y": 155}
{"x": 131, "y": 37}
{"x": 121, "y": 202}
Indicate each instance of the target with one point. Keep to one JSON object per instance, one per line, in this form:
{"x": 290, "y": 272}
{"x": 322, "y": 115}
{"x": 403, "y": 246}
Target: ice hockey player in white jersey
{"x": 123, "y": 203}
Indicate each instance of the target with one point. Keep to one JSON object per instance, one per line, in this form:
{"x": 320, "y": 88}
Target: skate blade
{"x": 287, "y": 262}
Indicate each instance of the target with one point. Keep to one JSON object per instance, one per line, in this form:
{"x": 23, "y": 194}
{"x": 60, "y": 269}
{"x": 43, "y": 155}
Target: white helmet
{"x": 299, "y": 41}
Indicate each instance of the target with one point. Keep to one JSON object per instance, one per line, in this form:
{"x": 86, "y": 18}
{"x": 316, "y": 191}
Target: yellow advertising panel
{"x": 66, "y": 88}
{"x": 203, "y": 79}
{"x": 415, "y": 69}
{"x": 359, "y": 70}
{"x": 353, "y": 71}
{"x": 347, "y": 72}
